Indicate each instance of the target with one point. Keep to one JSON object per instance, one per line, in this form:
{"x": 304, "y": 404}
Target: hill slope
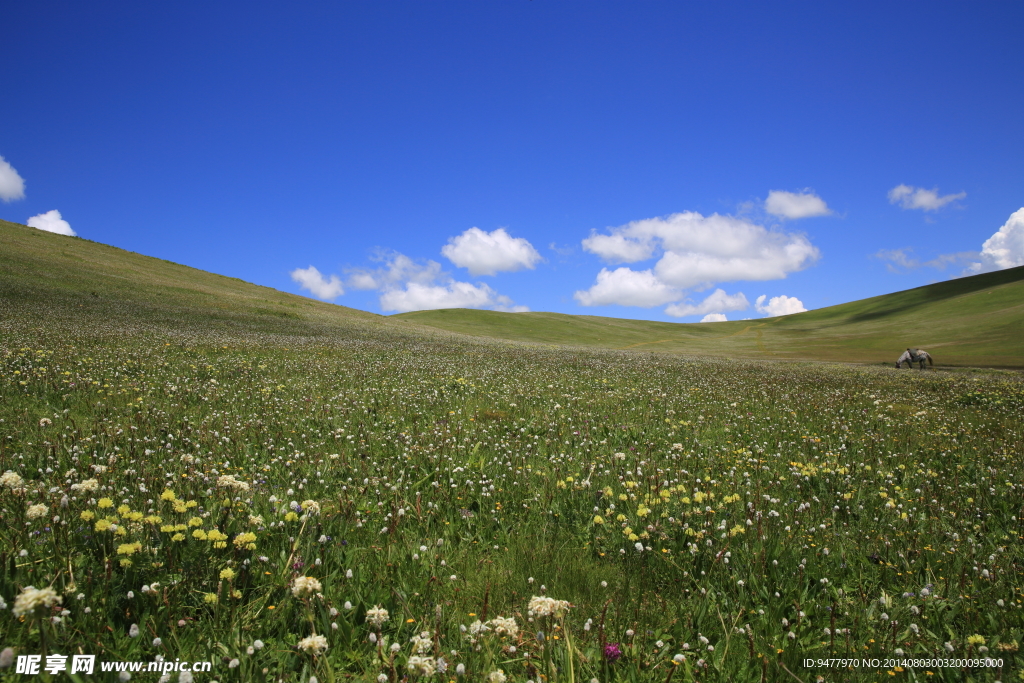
{"x": 44, "y": 277}
{"x": 976, "y": 320}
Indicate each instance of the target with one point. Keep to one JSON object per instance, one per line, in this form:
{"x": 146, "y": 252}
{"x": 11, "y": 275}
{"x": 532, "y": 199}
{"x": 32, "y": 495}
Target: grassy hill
{"x": 52, "y": 276}
{"x": 976, "y": 320}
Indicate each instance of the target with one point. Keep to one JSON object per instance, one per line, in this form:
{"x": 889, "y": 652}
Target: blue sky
{"x": 615, "y": 159}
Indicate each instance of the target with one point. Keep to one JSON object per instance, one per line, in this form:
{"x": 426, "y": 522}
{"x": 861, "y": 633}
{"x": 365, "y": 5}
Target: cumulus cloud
{"x": 697, "y": 251}
{"x": 12, "y": 186}
{"x": 488, "y": 253}
{"x": 409, "y": 285}
{"x": 397, "y": 268}
{"x": 627, "y": 287}
{"x": 628, "y": 244}
{"x": 1005, "y": 248}
{"x": 51, "y": 222}
{"x": 419, "y": 297}
{"x": 795, "y": 204}
{"x": 909, "y": 197}
{"x": 714, "y": 318}
{"x": 779, "y": 305}
{"x": 715, "y": 303}
{"x": 322, "y": 288}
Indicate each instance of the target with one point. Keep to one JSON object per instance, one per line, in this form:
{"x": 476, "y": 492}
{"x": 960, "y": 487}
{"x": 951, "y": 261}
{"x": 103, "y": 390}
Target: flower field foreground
{"x": 396, "y": 507}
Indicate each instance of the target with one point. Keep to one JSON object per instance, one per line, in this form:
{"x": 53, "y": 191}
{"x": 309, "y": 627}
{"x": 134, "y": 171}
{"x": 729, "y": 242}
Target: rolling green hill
{"x": 976, "y": 320}
{"x": 44, "y": 276}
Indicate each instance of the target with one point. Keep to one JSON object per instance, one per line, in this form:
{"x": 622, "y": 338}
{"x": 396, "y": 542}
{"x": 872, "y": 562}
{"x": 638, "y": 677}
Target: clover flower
{"x": 543, "y": 606}
{"x": 376, "y": 616}
{"x": 304, "y": 586}
{"x": 504, "y": 626}
{"x": 32, "y": 598}
{"x": 11, "y": 480}
{"x": 86, "y": 485}
{"x": 228, "y": 481}
{"x": 421, "y": 666}
{"x": 421, "y": 642}
{"x": 313, "y": 644}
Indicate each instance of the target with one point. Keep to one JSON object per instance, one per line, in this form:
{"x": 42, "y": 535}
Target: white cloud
{"x": 12, "y": 186}
{"x": 716, "y": 302}
{"x": 701, "y": 250}
{"x": 398, "y": 268}
{"x": 779, "y": 305}
{"x": 420, "y": 297}
{"x": 488, "y": 253}
{"x": 624, "y": 245}
{"x": 910, "y": 197}
{"x": 795, "y": 204}
{"x": 714, "y": 318}
{"x": 1005, "y": 248}
{"x": 320, "y": 287}
{"x": 408, "y": 285}
{"x": 51, "y": 222}
{"x": 627, "y": 287}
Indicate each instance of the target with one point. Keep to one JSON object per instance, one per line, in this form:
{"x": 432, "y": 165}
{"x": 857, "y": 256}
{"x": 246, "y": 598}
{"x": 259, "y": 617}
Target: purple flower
{"x": 612, "y": 652}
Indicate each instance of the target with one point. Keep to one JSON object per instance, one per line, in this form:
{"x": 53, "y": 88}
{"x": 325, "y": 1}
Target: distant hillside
{"x": 976, "y": 320}
{"x": 45, "y": 276}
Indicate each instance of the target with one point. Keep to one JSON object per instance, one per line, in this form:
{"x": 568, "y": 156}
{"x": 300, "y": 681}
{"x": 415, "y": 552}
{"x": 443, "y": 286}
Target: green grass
{"x": 975, "y": 321}
{"x": 450, "y": 480}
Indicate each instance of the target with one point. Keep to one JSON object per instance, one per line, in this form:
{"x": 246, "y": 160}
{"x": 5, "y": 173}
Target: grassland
{"x": 200, "y": 469}
{"x": 972, "y": 321}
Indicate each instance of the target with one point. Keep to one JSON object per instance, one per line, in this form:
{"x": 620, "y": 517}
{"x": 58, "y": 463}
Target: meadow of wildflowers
{"x": 368, "y": 502}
